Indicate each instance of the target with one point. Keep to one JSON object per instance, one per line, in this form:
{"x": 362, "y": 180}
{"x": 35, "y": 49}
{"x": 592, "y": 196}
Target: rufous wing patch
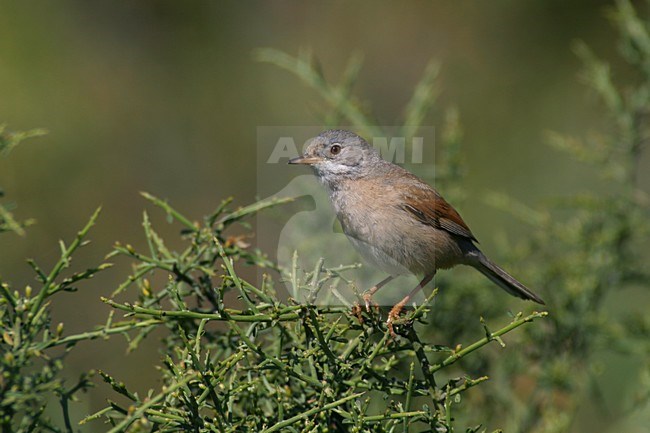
{"x": 431, "y": 209}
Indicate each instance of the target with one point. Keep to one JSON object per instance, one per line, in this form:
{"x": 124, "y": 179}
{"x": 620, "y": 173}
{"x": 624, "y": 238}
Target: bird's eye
{"x": 335, "y": 149}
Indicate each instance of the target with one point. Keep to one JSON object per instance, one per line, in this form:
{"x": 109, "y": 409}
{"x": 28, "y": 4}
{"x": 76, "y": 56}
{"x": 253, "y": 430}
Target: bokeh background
{"x": 166, "y": 97}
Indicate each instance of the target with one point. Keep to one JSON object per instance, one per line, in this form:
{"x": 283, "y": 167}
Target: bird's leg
{"x": 367, "y": 295}
{"x": 397, "y": 309}
{"x": 367, "y": 298}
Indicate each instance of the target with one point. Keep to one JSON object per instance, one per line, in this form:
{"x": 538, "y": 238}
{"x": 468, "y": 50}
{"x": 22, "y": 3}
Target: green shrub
{"x": 237, "y": 358}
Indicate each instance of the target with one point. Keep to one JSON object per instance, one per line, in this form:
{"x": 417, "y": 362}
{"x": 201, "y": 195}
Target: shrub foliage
{"x": 235, "y": 357}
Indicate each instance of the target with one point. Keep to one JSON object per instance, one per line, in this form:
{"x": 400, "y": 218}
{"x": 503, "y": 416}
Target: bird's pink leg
{"x": 367, "y": 295}
{"x": 397, "y": 309}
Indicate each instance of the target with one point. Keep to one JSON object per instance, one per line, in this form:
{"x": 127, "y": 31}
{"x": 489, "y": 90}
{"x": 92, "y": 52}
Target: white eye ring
{"x": 335, "y": 149}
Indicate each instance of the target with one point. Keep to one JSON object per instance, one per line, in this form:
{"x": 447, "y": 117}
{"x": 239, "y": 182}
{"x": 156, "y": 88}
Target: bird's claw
{"x": 368, "y": 301}
{"x": 357, "y": 311}
{"x": 393, "y": 316}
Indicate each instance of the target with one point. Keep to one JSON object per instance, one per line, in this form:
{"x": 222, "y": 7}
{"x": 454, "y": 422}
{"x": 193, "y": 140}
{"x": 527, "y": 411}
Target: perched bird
{"x": 396, "y": 221}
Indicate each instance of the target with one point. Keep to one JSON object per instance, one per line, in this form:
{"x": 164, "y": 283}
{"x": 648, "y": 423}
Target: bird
{"x": 397, "y": 222}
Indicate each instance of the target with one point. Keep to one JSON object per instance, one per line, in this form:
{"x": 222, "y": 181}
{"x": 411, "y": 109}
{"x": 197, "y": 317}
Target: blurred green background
{"x": 165, "y": 97}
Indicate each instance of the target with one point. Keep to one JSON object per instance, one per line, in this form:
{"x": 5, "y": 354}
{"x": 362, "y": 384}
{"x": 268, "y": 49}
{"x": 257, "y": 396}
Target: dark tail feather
{"x": 504, "y": 280}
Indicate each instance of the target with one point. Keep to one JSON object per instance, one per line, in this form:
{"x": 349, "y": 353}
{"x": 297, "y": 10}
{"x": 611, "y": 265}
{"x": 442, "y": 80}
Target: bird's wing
{"x": 430, "y": 208}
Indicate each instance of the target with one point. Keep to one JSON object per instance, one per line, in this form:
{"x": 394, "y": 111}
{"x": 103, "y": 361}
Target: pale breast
{"x": 387, "y": 236}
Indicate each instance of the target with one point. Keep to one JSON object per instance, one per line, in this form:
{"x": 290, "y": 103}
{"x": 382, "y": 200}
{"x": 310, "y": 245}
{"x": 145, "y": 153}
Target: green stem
{"x": 91, "y": 335}
{"x": 139, "y": 412}
{"x": 485, "y": 340}
{"x": 234, "y": 315}
{"x": 196, "y": 315}
{"x": 63, "y": 262}
{"x": 171, "y": 211}
{"x": 311, "y": 412}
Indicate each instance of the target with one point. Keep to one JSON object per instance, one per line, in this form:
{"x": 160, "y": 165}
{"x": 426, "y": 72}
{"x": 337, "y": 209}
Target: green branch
{"x": 494, "y": 336}
{"x": 311, "y": 412}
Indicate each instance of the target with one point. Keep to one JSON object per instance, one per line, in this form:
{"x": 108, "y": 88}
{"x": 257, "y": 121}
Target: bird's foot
{"x": 368, "y": 301}
{"x": 393, "y": 316}
{"x": 358, "y": 312}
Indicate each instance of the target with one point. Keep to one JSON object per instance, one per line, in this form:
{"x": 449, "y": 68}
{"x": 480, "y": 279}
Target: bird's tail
{"x": 503, "y": 279}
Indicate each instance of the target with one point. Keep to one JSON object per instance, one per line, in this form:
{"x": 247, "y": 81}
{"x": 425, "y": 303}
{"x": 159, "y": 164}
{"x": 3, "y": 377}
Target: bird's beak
{"x": 307, "y": 160}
